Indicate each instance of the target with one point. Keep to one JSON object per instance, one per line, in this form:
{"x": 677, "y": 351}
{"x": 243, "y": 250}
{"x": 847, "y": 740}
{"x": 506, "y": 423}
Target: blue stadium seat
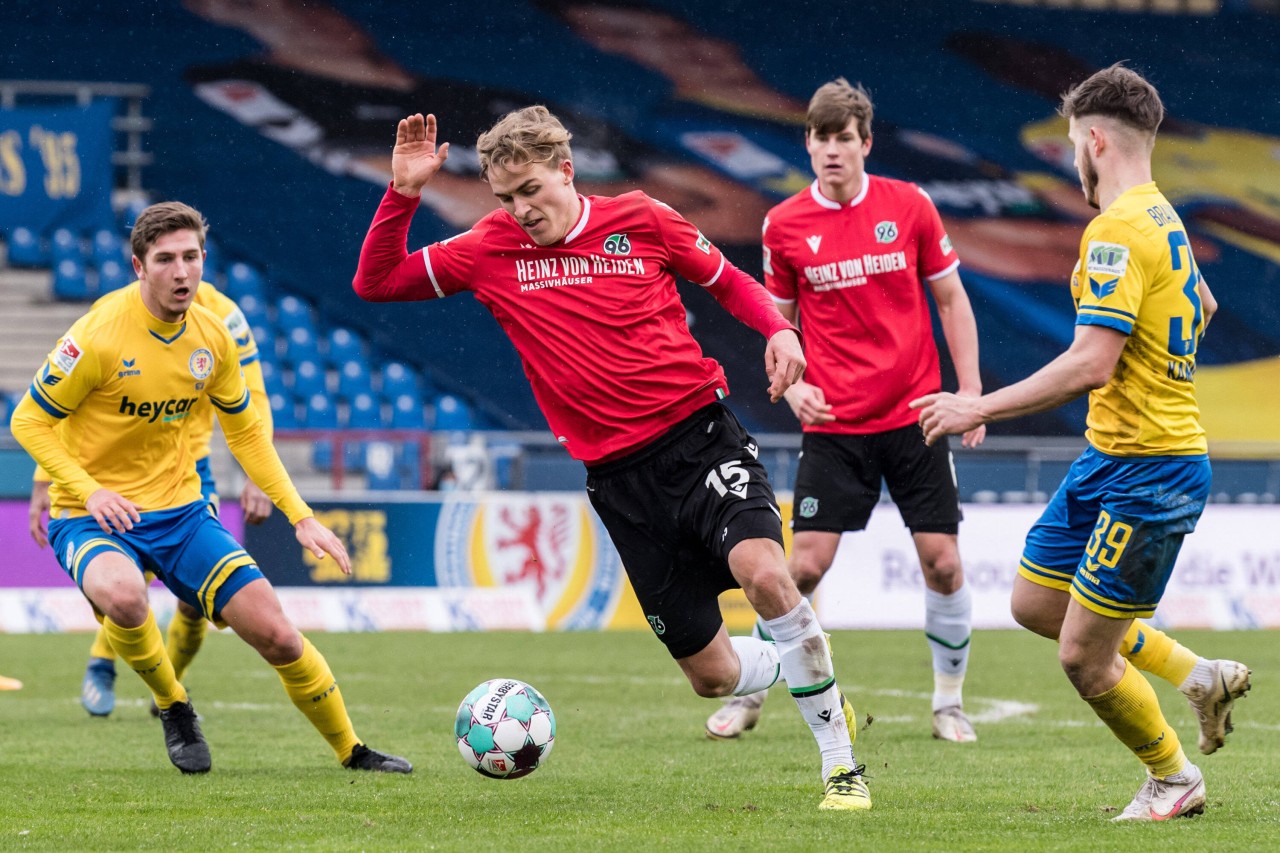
{"x": 244, "y": 280}
{"x": 272, "y": 376}
{"x": 364, "y": 412}
{"x": 452, "y": 413}
{"x": 284, "y": 411}
{"x": 353, "y": 379}
{"x": 129, "y": 213}
{"x": 398, "y": 378}
{"x": 321, "y": 413}
{"x": 69, "y": 281}
{"x": 64, "y": 244}
{"x": 113, "y": 275}
{"x": 255, "y": 312}
{"x": 26, "y": 249}
{"x": 300, "y": 346}
{"x": 308, "y": 380}
{"x": 293, "y": 313}
{"x": 407, "y": 412}
{"x": 108, "y": 246}
{"x": 268, "y": 343}
{"x": 343, "y": 345}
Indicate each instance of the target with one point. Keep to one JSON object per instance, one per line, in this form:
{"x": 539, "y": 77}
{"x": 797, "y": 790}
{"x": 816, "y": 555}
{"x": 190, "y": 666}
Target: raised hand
{"x": 415, "y": 158}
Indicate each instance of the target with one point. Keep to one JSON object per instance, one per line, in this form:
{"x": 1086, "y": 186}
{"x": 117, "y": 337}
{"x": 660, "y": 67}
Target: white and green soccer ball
{"x": 505, "y": 729}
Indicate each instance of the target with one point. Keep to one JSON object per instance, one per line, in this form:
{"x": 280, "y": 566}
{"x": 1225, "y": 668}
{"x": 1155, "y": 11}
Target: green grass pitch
{"x": 630, "y": 770}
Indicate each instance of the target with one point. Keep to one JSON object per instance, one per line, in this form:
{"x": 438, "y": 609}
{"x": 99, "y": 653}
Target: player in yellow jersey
{"x": 129, "y": 380}
{"x": 187, "y": 628}
{"x": 1101, "y": 553}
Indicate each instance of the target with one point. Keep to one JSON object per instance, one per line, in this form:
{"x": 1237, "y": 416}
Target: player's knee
{"x": 768, "y": 584}
{"x": 711, "y": 685}
{"x": 807, "y": 569}
{"x": 280, "y": 645}
{"x": 943, "y": 574}
{"x": 188, "y": 611}
{"x": 126, "y": 608}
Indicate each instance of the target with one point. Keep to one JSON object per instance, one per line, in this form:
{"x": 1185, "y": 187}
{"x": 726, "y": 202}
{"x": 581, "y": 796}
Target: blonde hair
{"x": 530, "y": 135}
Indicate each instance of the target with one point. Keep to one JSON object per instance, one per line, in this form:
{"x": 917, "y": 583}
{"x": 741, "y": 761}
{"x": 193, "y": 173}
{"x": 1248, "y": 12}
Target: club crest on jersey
{"x": 201, "y": 363}
{"x": 66, "y": 356}
{"x": 617, "y": 244}
{"x": 808, "y": 508}
{"x": 1106, "y": 259}
{"x": 814, "y": 241}
{"x": 886, "y": 232}
{"x": 703, "y": 244}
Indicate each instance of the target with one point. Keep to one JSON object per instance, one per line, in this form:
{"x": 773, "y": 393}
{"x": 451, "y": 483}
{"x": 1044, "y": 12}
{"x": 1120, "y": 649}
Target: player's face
{"x": 170, "y": 274}
{"x": 838, "y": 159}
{"x": 1085, "y": 167}
{"x": 540, "y": 196}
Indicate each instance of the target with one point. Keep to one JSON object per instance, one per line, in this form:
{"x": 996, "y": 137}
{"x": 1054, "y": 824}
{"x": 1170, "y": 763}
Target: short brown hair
{"x": 530, "y": 135}
{"x": 1119, "y": 93}
{"x": 164, "y": 218}
{"x": 836, "y": 103}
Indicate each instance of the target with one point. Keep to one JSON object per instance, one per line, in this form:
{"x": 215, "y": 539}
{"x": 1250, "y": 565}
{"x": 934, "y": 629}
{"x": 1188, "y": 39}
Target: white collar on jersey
{"x": 582, "y": 220}
{"x": 835, "y": 205}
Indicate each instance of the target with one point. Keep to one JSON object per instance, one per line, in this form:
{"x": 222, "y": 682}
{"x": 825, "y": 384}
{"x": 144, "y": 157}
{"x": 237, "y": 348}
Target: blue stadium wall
{"x": 961, "y": 95}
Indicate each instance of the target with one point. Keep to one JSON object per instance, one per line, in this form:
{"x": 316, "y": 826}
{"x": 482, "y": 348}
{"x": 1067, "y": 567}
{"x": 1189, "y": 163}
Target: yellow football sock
{"x": 101, "y": 647}
{"x": 142, "y": 648}
{"x": 184, "y": 639}
{"x": 1132, "y": 712}
{"x": 1152, "y": 650}
{"x": 313, "y": 689}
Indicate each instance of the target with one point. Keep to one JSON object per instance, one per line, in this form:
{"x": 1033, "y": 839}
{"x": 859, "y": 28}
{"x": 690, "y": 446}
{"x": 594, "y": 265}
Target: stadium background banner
{"x": 524, "y": 561}
{"x": 55, "y": 167}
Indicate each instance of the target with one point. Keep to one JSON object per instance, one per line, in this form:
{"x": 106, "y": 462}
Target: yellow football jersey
{"x": 129, "y": 388}
{"x": 1136, "y": 274}
{"x": 247, "y": 348}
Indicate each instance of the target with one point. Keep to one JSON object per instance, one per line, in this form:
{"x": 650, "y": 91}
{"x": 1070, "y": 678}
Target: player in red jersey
{"x": 852, "y": 256}
{"x": 585, "y": 287}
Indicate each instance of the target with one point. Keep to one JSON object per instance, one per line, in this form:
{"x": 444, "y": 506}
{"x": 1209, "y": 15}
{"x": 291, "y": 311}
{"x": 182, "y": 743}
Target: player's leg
{"x": 98, "y": 689}
{"x": 1211, "y": 686}
{"x": 921, "y": 480}
{"x": 108, "y": 571}
{"x": 253, "y": 611}
{"x": 1125, "y": 701}
{"x": 948, "y": 626}
{"x": 812, "y": 552}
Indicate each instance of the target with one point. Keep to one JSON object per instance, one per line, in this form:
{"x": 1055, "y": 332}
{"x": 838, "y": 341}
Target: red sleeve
{"x": 779, "y": 277}
{"x": 388, "y": 273}
{"x": 745, "y": 298}
{"x": 937, "y": 257}
{"x": 697, "y": 259}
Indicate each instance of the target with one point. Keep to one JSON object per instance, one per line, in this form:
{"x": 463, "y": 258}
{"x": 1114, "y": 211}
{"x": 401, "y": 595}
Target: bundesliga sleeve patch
{"x": 1107, "y": 260}
{"x": 945, "y": 244}
{"x": 703, "y": 244}
{"x": 66, "y": 356}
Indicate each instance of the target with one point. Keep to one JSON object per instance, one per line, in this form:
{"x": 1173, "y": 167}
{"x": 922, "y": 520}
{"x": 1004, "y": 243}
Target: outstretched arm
{"x": 1086, "y": 365}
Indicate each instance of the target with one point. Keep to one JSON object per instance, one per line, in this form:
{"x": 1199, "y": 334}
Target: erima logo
{"x": 129, "y": 369}
{"x": 1103, "y": 289}
{"x": 170, "y": 410}
{"x": 814, "y": 242}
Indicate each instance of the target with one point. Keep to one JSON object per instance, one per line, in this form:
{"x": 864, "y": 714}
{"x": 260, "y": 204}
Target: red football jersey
{"x": 596, "y": 318}
{"x": 857, "y": 272}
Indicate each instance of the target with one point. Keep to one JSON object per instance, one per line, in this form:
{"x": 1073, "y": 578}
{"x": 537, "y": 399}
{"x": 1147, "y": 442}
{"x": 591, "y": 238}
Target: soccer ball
{"x": 505, "y": 729}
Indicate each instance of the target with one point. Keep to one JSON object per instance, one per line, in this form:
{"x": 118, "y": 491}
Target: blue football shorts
{"x": 1112, "y": 531}
{"x": 186, "y": 547}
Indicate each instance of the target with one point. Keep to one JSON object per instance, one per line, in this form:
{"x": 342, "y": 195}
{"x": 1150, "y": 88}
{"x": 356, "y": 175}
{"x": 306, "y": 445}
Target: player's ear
{"x": 566, "y": 169}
